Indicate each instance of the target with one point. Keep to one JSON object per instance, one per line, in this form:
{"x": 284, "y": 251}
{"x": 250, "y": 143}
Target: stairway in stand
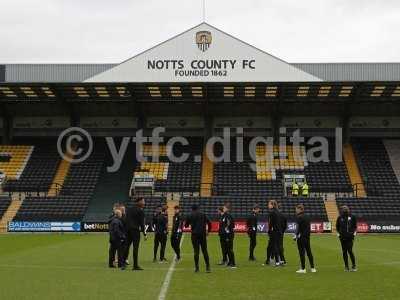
{"x": 392, "y": 149}
{"x": 59, "y": 177}
{"x": 171, "y": 211}
{"x": 207, "y": 176}
{"x": 9, "y": 215}
{"x": 331, "y": 210}
{"x": 353, "y": 170}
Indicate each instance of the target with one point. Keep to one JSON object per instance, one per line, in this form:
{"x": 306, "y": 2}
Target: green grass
{"x": 74, "y": 267}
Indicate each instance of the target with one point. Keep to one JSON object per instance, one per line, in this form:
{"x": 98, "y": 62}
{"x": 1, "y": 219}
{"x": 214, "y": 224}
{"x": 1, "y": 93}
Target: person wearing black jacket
{"x": 252, "y": 228}
{"x": 117, "y": 240}
{"x": 222, "y": 242}
{"x": 112, "y": 215}
{"x": 303, "y": 240}
{"x": 135, "y": 224}
{"x": 346, "y": 227}
{"x": 160, "y": 234}
{"x": 154, "y": 227}
{"x": 176, "y": 234}
{"x": 200, "y": 226}
{"x": 228, "y": 225}
{"x": 283, "y": 221}
{"x": 122, "y": 208}
{"x": 274, "y": 232}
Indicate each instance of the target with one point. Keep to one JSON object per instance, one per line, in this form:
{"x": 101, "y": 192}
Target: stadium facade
{"x": 195, "y": 84}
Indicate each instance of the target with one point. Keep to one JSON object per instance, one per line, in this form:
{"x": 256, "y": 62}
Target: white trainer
{"x": 313, "y": 270}
{"x": 301, "y": 271}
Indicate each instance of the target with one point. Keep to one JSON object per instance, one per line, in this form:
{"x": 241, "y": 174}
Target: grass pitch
{"x": 75, "y": 267}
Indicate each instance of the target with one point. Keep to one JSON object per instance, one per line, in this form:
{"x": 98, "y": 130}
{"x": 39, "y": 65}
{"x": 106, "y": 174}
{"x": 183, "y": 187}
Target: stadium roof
{"x": 203, "y": 92}
{"x": 216, "y": 46}
{"x": 81, "y": 72}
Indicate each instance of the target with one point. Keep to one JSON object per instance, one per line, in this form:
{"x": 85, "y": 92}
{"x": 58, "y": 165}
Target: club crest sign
{"x": 203, "y": 40}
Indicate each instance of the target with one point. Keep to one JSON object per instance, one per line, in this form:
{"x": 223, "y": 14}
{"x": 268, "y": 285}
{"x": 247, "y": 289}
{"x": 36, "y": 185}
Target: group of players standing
{"x": 126, "y": 228}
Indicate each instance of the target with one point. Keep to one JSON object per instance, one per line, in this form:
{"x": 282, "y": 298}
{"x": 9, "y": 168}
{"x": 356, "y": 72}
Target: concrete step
{"x": 332, "y": 212}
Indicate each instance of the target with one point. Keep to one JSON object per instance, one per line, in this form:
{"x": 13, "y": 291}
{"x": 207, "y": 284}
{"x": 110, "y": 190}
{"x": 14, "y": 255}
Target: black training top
{"x": 346, "y": 225}
{"x": 199, "y": 223}
{"x": 177, "y": 225}
{"x": 252, "y": 222}
{"x": 135, "y": 219}
{"x": 303, "y": 226}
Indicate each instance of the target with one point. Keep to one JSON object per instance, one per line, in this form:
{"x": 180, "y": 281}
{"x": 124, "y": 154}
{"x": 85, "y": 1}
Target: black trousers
{"x": 229, "y": 249}
{"x": 116, "y": 248}
{"x": 303, "y": 245}
{"x": 347, "y": 250}
{"x": 176, "y": 243}
{"x": 160, "y": 239}
{"x": 273, "y": 247}
{"x": 253, "y": 243}
{"x": 281, "y": 248}
{"x": 134, "y": 239}
{"x": 224, "y": 252}
{"x": 200, "y": 241}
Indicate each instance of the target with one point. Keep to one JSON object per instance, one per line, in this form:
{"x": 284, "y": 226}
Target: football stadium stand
{"x": 373, "y": 208}
{"x": 89, "y": 190}
{"x": 40, "y": 167}
{"x": 5, "y": 201}
{"x": 375, "y": 168}
{"x": 72, "y": 200}
{"x": 196, "y": 98}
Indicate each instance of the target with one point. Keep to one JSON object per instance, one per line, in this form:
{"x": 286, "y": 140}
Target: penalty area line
{"x": 168, "y": 277}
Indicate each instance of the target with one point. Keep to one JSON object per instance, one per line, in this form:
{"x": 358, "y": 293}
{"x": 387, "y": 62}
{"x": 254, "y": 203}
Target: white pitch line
{"x": 168, "y": 277}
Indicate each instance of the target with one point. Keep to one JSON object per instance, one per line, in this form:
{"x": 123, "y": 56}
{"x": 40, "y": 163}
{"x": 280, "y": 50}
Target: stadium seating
{"x": 373, "y": 208}
{"x": 40, "y": 169}
{"x": 171, "y": 176}
{"x": 72, "y": 201}
{"x": 328, "y": 177}
{"x": 238, "y": 178}
{"x": 242, "y": 206}
{"x": 18, "y": 158}
{"x": 4, "y": 203}
{"x": 150, "y": 207}
{"x": 242, "y": 183}
{"x": 111, "y": 187}
{"x": 375, "y": 167}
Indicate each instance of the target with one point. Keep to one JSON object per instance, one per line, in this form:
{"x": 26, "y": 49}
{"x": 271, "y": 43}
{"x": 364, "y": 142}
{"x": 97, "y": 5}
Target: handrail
{"x": 36, "y": 191}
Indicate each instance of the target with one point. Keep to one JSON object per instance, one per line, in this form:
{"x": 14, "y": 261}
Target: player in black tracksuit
{"x": 160, "y": 234}
{"x": 117, "y": 240}
{"x": 222, "y": 242}
{"x": 303, "y": 239}
{"x": 274, "y": 232}
{"x": 135, "y": 224}
{"x": 283, "y": 222}
{"x": 154, "y": 221}
{"x": 228, "y": 225}
{"x": 346, "y": 227}
{"x": 176, "y": 234}
{"x": 200, "y": 226}
{"x": 252, "y": 223}
{"x": 125, "y": 225}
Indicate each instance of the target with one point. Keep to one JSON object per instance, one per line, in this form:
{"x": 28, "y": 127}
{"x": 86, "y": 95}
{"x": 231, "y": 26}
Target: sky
{"x": 110, "y": 31}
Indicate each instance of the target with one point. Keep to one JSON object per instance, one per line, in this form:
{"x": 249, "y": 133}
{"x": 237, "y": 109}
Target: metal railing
{"x": 34, "y": 191}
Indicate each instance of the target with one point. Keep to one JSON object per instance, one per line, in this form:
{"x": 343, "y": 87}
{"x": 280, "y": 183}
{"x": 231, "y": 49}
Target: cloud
{"x": 110, "y": 31}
